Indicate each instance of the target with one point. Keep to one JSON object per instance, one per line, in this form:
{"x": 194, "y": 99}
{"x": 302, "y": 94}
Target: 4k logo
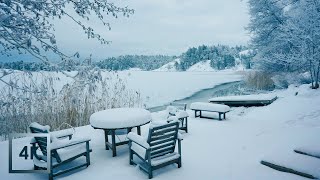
{"x": 23, "y": 151}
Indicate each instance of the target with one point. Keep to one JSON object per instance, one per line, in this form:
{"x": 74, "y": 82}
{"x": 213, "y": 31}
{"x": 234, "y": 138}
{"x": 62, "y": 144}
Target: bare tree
{"x": 26, "y": 26}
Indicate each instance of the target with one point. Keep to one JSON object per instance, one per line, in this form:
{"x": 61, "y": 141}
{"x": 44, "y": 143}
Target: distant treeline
{"x": 135, "y": 61}
{"x": 220, "y": 56}
{"x": 21, "y": 65}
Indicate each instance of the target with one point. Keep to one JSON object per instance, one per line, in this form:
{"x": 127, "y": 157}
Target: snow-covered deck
{"x": 245, "y": 100}
{"x": 230, "y": 149}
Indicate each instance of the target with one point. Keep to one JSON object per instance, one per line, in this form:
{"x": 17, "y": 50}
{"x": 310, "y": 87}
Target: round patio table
{"x": 111, "y": 120}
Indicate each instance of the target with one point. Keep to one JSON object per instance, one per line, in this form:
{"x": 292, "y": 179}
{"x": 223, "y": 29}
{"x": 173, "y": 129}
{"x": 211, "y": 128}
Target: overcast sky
{"x": 166, "y": 27}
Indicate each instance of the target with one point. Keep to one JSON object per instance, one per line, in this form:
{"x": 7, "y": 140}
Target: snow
{"x": 41, "y": 127}
{"x": 313, "y": 150}
{"x": 160, "y": 88}
{"x": 230, "y": 149}
{"x": 182, "y": 114}
{"x": 201, "y": 66}
{"x": 297, "y": 162}
{"x": 258, "y": 97}
{"x": 171, "y": 110}
{"x": 156, "y": 88}
{"x": 134, "y": 69}
{"x": 209, "y": 107}
{"x": 120, "y": 118}
{"x": 63, "y": 133}
{"x": 71, "y": 151}
{"x": 245, "y": 52}
{"x": 169, "y": 67}
{"x": 138, "y": 139}
{"x": 165, "y": 158}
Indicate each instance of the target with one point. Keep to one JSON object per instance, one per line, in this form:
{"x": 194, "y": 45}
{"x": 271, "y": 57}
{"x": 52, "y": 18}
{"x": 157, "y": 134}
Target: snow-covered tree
{"x": 286, "y": 35}
{"x": 26, "y": 25}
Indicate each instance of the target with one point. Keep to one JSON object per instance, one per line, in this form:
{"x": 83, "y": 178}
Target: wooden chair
{"x": 62, "y": 151}
{"x": 159, "y": 148}
{"x": 179, "y": 111}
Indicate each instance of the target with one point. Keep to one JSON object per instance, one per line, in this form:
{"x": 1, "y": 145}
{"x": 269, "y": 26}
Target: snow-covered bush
{"x": 53, "y": 98}
{"x": 283, "y": 80}
{"x": 259, "y": 80}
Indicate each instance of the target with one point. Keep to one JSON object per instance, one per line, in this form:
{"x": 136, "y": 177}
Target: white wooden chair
{"x": 62, "y": 151}
{"x": 158, "y": 150}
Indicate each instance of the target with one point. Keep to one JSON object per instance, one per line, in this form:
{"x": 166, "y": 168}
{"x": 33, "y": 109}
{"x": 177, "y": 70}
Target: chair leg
{"x": 50, "y": 176}
{"x": 51, "y": 170}
{"x": 150, "y": 173}
{"x": 186, "y": 124}
{"x": 87, "y": 154}
{"x": 130, "y": 157}
{"x": 179, "y": 163}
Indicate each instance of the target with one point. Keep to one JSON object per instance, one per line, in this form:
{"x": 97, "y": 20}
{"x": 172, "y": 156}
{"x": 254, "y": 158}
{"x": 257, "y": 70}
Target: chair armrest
{"x": 180, "y": 138}
{"x": 57, "y": 145}
{"x": 62, "y": 133}
{"x": 138, "y": 140}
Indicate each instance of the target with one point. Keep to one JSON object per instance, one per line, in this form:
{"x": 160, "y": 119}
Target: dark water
{"x": 226, "y": 89}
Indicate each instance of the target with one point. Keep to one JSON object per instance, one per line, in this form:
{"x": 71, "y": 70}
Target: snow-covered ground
{"x": 169, "y": 67}
{"x": 226, "y": 150}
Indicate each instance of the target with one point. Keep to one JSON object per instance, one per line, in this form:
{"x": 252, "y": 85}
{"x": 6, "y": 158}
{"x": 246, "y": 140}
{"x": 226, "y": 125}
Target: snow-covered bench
{"x": 209, "y": 107}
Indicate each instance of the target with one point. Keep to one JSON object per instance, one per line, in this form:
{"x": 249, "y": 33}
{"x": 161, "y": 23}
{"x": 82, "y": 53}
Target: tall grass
{"x": 259, "y": 80}
{"x": 53, "y": 99}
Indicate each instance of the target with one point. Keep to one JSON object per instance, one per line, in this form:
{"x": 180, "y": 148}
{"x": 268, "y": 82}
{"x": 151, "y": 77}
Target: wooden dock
{"x": 247, "y": 100}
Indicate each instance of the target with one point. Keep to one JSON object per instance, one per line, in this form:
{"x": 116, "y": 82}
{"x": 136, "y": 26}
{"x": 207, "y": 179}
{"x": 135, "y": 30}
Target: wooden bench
{"x": 209, "y": 107}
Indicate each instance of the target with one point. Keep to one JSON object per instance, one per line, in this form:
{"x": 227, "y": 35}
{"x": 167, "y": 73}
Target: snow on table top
{"x": 297, "y": 162}
{"x": 120, "y": 118}
{"x": 209, "y": 107}
{"x": 258, "y": 97}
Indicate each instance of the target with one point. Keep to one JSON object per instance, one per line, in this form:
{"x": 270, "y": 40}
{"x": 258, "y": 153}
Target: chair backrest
{"x": 41, "y": 141}
{"x": 162, "y": 139}
{"x": 180, "y": 106}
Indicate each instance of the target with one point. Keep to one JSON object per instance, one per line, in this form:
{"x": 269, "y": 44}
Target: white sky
{"x": 162, "y": 27}
{"x": 167, "y": 27}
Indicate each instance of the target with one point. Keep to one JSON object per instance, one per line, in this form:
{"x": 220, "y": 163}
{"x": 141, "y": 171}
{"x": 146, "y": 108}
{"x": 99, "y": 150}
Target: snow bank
{"x": 201, "y": 66}
{"x": 169, "y": 67}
